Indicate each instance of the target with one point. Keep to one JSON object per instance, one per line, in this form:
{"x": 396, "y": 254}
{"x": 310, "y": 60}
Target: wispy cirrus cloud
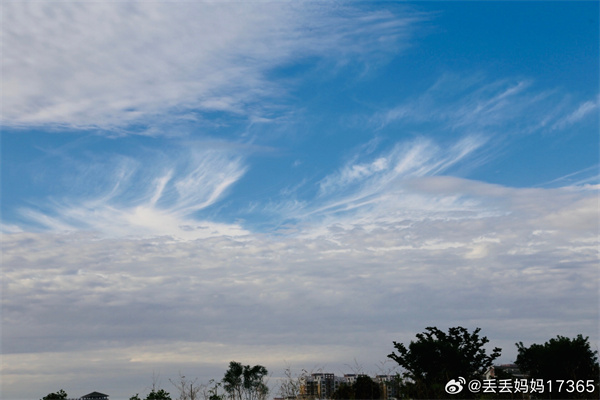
{"x": 373, "y": 184}
{"x": 153, "y": 193}
{"x": 586, "y": 176}
{"x": 476, "y": 104}
{"x": 411, "y": 159}
{"x": 164, "y": 191}
{"x": 109, "y": 65}
{"x": 584, "y": 110}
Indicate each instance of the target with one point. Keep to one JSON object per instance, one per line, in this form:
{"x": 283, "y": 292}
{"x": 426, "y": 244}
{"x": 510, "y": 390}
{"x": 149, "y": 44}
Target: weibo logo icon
{"x": 455, "y": 386}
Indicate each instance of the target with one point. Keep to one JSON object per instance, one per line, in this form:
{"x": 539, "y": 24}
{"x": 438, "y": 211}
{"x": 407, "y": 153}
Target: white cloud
{"x": 581, "y": 178}
{"x": 127, "y": 276}
{"x": 512, "y": 255}
{"x": 584, "y": 110}
{"x": 463, "y": 104}
{"x": 110, "y": 64}
{"x": 380, "y": 184}
{"x": 153, "y": 194}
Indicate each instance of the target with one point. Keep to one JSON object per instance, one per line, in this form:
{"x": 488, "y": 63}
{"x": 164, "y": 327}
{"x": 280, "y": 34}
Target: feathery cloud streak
{"x": 153, "y": 194}
{"x": 110, "y": 65}
{"x": 475, "y": 104}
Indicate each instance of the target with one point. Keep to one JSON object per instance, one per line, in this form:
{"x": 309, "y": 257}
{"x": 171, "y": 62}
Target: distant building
{"x": 390, "y": 386}
{"x": 323, "y": 385}
{"x": 320, "y": 385}
{"x": 504, "y": 370}
{"x": 512, "y": 369}
{"x": 350, "y": 378}
{"x": 94, "y": 396}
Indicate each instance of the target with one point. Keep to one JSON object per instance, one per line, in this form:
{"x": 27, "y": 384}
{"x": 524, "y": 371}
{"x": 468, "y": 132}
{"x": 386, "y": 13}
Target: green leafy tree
{"x": 233, "y": 380}
{"x": 561, "y": 358}
{"x": 160, "y": 394}
{"x": 343, "y": 392}
{"x": 211, "y": 391}
{"x": 364, "y": 388}
{"x": 61, "y": 394}
{"x": 243, "y": 382}
{"x": 436, "y": 357}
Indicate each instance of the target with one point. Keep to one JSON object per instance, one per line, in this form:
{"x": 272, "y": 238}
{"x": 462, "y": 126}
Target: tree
{"x": 161, "y": 394}
{"x": 437, "y": 357}
{"x": 366, "y": 388}
{"x": 343, "y": 392}
{"x": 188, "y": 389}
{"x": 363, "y": 388}
{"x": 243, "y": 382}
{"x": 155, "y": 393}
{"x": 561, "y": 358}
{"x": 61, "y": 394}
{"x": 291, "y": 383}
{"x": 211, "y": 391}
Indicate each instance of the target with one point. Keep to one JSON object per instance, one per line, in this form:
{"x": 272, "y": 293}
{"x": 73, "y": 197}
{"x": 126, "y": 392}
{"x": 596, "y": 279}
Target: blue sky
{"x": 177, "y": 174}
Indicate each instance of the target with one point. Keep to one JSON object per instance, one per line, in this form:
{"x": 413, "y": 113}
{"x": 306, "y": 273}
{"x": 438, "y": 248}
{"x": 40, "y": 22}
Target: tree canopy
{"x": 243, "y": 382}
{"x": 154, "y": 394}
{"x": 560, "y": 358}
{"x": 161, "y": 394}
{"x": 363, "y": 388}
{"x": 437, "y": 357}
{"x": 61, "y": 394}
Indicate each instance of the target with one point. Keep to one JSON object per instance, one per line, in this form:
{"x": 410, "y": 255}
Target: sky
{"x": 290, "y": 184}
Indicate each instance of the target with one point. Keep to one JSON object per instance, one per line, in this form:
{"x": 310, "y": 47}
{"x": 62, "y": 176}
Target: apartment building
{"x": 323, "y": 385}
{"x": 320, "y": 385}
{"x": 390, "y": 386}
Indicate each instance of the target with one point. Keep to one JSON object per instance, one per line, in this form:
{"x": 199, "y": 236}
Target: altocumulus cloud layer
{"x": 347, "y": 290}
{"x": 190, "y": 184}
